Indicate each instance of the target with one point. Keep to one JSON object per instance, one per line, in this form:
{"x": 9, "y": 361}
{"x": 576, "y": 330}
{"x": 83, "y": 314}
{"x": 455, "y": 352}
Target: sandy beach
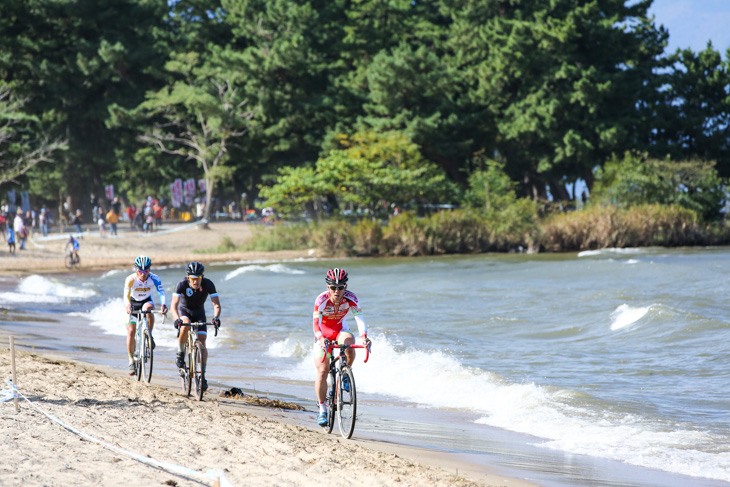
{"x": 84, "y": 424}
{"x": 108, "y": 429}
{"x": 173, "y": 244}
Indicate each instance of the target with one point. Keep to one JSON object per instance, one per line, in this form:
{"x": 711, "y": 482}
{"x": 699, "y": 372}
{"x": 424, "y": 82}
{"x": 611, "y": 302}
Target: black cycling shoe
{"x": 152, "y": 339}
{"x": 205, "y": 385}
{"x": 132, "y": 369}
{"x": 180, "y": 360}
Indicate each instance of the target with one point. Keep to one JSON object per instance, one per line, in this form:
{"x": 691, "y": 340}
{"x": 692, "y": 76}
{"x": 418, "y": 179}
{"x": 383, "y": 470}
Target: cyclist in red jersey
{"x": 330, "y": 309}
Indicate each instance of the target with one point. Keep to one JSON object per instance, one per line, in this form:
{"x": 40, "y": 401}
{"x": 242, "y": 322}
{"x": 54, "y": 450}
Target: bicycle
{"x": 195, "y": 368}
{"x": 72, "y": 259}
{"x": 143, "y": 353}
{"x": 339, "y": 399}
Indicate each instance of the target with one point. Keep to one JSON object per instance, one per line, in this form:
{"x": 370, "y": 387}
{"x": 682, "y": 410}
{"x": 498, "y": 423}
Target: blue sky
{"x": 691, "y": 23}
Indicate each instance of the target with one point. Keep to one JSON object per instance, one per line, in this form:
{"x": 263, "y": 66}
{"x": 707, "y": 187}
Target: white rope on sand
{"x": 214, "y": 475}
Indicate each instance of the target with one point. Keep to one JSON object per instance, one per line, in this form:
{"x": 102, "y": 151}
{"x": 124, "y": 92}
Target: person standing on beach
{"x": 113, "y": 218}
{"x": 187, "y": 305}
{"x": 78, "y": 221}
{"x": 11, "y": 239}
{"x": 330, "y": 309}
{"x": 138, "y": 288}
{"x": 21, "y": 232}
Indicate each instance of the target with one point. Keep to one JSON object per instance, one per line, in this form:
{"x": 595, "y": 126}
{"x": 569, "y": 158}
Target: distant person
{"x": 113, "y": 218}
{"x": 3, "y": 225}
{"x": 11, "y": 239}
{"x": 21, "y": 232}
{"x": 43, "y": 220}
{"x": 330, "y": 309}
{"x": 75, "y": 246}
{"x": 117, "y": 206}
{"x": 138, "y": 288}
{"x": 101, "y": 221}
{"x": 77, "y": 221}
{"x": 132, "y": 213}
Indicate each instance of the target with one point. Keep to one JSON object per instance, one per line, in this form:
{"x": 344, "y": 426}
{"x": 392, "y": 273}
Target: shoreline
{"x": 175, "y": 244}
{"x": 294, "y": 451}
{"x": 85, "y": 395}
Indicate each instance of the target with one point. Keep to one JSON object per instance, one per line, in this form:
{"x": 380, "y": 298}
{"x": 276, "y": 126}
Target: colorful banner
{"x": 11, "y": 197}
{"x": 201, "y": 186}
{"x": 25, "y": 200}
{"x": 109, "y": 192}
{"x": 176, "y": 193}
{"x": 189, "y": 191}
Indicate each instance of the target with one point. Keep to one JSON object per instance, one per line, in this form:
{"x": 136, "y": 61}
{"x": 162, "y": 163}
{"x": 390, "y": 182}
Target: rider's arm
{"x": 128, "y": 282}
{"x": 160, "y": 289}
{"x": 216, "y": 306}
{"x": 173, "y": 306}
{"x": 317, "y": 324}
{"x": 357, "y": 314}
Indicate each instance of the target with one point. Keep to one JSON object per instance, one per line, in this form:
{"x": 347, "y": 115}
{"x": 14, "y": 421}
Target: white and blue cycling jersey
{"x": 136, "y": 289}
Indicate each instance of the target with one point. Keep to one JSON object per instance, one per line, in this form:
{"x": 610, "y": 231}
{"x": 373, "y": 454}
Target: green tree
{"x": 693, "y": 115}
{"x": 637, "y": 179}
{"x": 370, "y": 172}
{"x": 198, "y": 119}
{"x": 74, "y": 59}
{"x": 559, "y": 80}
{"x": 23, "y": 142}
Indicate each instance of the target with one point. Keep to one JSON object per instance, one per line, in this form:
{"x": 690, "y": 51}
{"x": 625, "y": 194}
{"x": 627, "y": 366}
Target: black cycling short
{"x": 195, "y": 315}
{"x": 137, "y": 305}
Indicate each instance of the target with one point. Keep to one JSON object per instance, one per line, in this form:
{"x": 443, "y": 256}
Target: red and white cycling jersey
{"x": 329, "y": 318}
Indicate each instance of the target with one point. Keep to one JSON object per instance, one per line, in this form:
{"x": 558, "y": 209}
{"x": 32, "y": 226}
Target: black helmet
{"x": 336, "y": 276}
{"x": 195, "y": 269}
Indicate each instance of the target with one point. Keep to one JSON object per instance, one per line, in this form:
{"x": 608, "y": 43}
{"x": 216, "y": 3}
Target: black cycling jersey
{"x": 191, "y": 299}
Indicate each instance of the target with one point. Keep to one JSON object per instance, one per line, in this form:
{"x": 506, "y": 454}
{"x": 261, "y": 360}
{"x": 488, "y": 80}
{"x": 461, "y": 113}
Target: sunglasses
{"x": 336, "y": 288}
{"x": 143, "y": 272}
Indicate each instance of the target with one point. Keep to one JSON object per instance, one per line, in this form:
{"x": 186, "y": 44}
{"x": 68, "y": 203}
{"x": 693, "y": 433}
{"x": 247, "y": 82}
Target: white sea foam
{"x": 111, "y": 317}
{"x": 611, "y": 251}
{"x": 625, "y": 315}
{"x": 288, "y": 348}
{"x": 39, "y": 289}
{"x": 110, "y": 273}
{"x": 437, "y": 379}
{"x": 274, "y": 268}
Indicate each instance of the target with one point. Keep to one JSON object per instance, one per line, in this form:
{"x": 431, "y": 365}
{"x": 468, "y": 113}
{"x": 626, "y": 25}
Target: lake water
{"x": 601, "y": 368}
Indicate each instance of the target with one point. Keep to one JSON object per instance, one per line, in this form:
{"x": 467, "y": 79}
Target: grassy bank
{"x": 473, "y": 231}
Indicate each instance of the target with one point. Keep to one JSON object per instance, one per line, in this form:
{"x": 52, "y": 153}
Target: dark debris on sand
{"x": 239, "y": 395}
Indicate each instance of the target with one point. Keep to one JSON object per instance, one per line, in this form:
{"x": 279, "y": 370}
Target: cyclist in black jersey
{"x": 187, "y": 306}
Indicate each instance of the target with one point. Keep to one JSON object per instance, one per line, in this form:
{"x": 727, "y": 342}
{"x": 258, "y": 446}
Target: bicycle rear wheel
{"x": 346, "y": 403}
{"x": 69, "y": 261}
{"x": 147, "y": 356}
{"x": 198, "y": 367}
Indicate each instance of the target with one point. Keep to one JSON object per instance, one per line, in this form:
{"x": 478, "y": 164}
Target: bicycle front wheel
{"x": 330, "y": 403}
{"x": 147, "y": 356}
{"x": 346, "y": 402}
{"x": 69, "y": 261}
{"x": 199, "y": 374}
{"x": 185, "y": 376}
{"x": 140, "y": 353}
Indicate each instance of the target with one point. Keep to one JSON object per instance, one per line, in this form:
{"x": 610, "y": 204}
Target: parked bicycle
{"x": 341, "y": 393}
{"x": 194, "y": 370}
{"x": 72, "y": 260}
{"x": 143, "y": 353}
